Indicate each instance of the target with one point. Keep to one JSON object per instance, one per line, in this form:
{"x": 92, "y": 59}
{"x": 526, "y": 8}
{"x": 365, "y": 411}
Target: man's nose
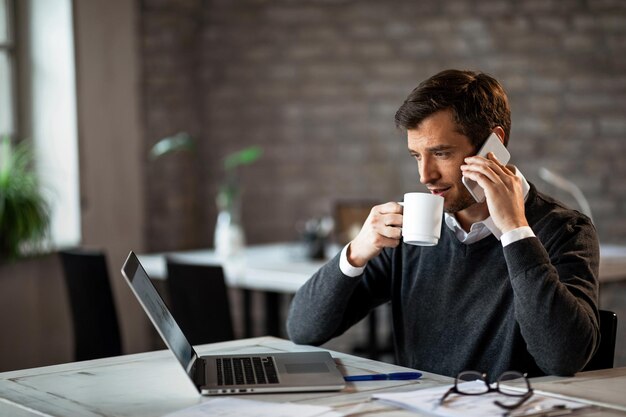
{"x": 428, "y": 171}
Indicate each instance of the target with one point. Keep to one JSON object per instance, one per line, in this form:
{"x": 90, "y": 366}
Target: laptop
{"x": 238, "y": 373}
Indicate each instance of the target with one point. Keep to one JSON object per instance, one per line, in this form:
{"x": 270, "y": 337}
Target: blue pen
{"x": 394, "y": 376}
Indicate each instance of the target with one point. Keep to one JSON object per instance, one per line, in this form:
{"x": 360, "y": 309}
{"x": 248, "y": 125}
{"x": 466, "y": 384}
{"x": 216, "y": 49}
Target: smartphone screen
{"x": 492, "y": 144}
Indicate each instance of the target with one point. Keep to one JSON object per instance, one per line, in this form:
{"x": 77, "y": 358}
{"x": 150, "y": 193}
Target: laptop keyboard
{"x": 254, "y": 370}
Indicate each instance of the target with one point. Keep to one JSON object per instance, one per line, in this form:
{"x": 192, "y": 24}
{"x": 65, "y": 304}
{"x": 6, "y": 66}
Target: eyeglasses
{"x": 475, "y": 383}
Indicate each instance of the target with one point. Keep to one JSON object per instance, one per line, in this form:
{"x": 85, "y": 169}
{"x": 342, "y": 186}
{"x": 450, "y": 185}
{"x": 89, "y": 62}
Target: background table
{"x": 612, "y": 263}
{"x": 274, "y": 269}
{"x": 279, "y": 267}
{"x": 283, "y": 267}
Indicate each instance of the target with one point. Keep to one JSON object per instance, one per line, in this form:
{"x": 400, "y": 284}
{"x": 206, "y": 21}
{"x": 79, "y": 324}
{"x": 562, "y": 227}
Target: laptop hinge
{"x": 198, "y": 372}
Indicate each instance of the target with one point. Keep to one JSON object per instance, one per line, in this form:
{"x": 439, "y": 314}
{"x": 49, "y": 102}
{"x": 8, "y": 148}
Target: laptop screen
{"x": 161, "y": 317}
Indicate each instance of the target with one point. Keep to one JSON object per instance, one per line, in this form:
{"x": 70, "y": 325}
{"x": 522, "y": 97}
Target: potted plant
{"x": 24, "y": 213}
{"x": 229, "y": 193}
{"x": 229, "y": 237}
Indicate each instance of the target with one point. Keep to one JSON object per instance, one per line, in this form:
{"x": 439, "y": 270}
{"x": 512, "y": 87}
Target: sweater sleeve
{"x": 555, "y": 295}
{"x": 331, "y": 302}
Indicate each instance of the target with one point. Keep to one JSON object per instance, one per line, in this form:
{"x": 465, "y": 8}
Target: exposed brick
{"x": 461, "y": 7}
{"x": 613, "y": 23}
{"x": 399, "y": 30}
{"x": 613, "y": 125}
{"x": 579, "y": 43}
{"x": 582, "y": 128}
{"x": 593, "y": 102}
{"x": 551, "y": 24}
{"x": 493, "y": 8}
{"x": 317, "y": 83}
{"x": 616, "y": 44}
{"x": 434, "y": 25}
{"x": 585, "y": 23}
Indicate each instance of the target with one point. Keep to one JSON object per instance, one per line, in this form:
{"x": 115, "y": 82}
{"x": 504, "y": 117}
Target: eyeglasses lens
{"x": 513, "y": 383}
{"x": 471, "y": 383}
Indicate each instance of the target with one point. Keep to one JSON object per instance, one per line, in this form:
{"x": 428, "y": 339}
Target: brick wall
{"x": 316, "y": 84}
{"x": 170, "y": 45}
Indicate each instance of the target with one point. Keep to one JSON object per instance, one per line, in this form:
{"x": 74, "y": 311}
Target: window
{"x": 7, "y": 69}
{"x": 51, "y": 111}
{"x": 37, "y": 37}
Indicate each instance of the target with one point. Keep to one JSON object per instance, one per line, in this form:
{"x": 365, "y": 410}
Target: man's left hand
{"x": 503, "y": 190}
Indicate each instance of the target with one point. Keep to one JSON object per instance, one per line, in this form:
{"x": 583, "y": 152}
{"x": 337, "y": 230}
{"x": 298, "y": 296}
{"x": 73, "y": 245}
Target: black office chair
{"x": 199, "y": 301}
{"x": 604, "y": 356}
{"x": 96, "y": 329}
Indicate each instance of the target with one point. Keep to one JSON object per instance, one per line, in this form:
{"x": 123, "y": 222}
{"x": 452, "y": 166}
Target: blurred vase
{"x": 229, "y": 239}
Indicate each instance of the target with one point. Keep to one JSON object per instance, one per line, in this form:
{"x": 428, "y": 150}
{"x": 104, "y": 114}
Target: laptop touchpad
{"x": 306, "y": 368}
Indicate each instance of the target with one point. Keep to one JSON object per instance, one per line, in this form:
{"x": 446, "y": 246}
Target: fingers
{"x": 388, "y": 208}
{"x": 391, "y": 232}
{"x": 505, "y": 169}
{"x": 503, "y": 191}
{"x": 491, "y": 169}
{"x": 386, "y": 221}
{"x": 382, "y": 229}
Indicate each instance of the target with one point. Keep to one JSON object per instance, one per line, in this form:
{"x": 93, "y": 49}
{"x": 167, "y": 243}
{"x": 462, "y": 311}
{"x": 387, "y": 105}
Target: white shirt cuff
{"x": 346, "y": 268}
{"x": 516, "y": 234}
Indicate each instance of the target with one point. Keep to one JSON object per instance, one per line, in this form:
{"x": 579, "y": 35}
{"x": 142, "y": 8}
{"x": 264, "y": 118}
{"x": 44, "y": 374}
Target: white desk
{"x": 153, "y": 384}
{"x": 605, "y": 388}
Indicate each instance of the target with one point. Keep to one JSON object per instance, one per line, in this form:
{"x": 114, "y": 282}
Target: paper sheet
{"x": 236, "y": 407}
{"x": 427, "y": 401}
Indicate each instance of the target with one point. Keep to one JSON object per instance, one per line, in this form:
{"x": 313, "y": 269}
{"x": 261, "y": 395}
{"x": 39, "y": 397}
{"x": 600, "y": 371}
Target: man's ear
{"x": 499, "y": 132}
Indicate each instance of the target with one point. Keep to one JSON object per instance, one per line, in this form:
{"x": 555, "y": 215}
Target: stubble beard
{"x": 464, "y": 201}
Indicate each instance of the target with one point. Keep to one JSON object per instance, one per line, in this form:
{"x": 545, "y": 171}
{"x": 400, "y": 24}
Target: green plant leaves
{"x": 24, "y": 213}
{"x": 177, "y": 142}
{"x": 243, "y": 157}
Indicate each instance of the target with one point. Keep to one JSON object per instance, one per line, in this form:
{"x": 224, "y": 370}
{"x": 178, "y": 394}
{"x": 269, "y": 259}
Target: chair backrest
{"x": 199, "y": 301}
{"x": 96, "y": 329}
{"x": 603, "y": 358}
{"x": 349, "y": 216}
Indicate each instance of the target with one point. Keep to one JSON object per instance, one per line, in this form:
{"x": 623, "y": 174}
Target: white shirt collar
{"x": 484, "y": 228}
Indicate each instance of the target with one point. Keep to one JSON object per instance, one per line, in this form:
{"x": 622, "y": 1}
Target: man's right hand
{"x": 382, "y": 229}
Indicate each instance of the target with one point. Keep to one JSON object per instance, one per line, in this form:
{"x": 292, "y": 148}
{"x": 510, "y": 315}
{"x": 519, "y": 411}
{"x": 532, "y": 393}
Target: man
{"x": 511, "y": 285}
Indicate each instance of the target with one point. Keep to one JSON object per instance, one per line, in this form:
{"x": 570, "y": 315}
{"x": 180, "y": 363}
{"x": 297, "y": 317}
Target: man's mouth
{"x": 440, "y": 191}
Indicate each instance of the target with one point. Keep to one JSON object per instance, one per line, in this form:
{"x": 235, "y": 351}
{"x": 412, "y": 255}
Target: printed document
{"x": 428, "y": 401}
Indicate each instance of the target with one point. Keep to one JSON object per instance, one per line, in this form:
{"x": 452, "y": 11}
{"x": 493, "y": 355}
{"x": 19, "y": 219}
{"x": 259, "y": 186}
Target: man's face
{"x": 440, "y": 150}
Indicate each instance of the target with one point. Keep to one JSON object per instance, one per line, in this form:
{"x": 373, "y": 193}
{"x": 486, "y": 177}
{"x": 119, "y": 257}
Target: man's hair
{"x": 477, "y": 100}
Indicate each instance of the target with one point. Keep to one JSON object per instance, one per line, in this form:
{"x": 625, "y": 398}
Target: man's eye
{"x": 442, "y": 154}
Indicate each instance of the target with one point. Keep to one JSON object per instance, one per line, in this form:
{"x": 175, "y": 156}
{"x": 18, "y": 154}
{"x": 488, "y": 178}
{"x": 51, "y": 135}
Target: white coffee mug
{"x": 421, "y": 221}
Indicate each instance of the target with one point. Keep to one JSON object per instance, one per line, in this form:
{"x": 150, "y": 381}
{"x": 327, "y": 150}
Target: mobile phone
{"x": 492, "y": 144}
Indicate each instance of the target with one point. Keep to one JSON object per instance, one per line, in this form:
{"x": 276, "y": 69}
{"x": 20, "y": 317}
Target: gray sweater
{"x": 530, "y": 307}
